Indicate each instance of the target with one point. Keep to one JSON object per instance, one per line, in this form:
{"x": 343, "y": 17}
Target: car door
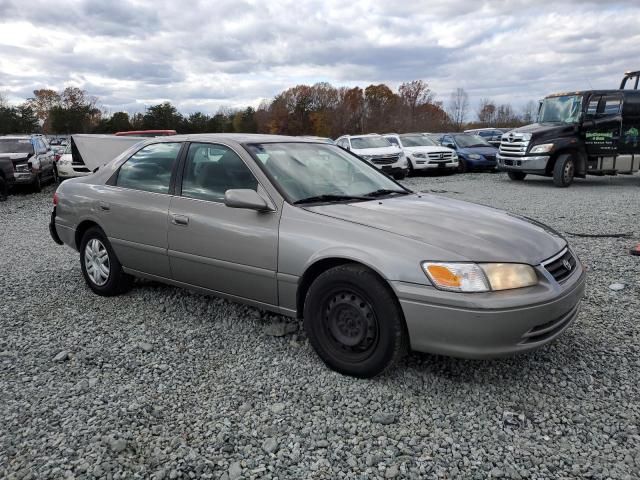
{"x": 133, "y": 208}
{"x": 603, "y": 125}
{"x": 227, "y": 250}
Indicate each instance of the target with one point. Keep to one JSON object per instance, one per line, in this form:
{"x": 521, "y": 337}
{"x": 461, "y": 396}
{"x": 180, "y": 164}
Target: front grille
{"x": 513, "y": 145}
{"x": 544, "y": 331}
{"x": 385, "y": 160}
{"x": 561, "y": 266}
{"x": 438, "y": 157}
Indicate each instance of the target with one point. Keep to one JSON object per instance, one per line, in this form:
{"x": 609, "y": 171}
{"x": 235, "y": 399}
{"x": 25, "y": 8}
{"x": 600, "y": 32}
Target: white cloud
{"x": 202, "y": 55}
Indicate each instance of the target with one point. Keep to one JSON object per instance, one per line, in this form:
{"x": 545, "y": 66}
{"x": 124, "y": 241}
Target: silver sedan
{"x": 308, "y": 230}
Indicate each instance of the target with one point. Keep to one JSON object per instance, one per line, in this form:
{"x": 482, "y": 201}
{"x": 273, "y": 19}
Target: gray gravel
{"x": 163, "y": 383}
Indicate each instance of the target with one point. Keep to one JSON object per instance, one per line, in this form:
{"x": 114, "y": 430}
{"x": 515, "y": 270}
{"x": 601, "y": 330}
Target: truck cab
{"x": 576, "y": 134}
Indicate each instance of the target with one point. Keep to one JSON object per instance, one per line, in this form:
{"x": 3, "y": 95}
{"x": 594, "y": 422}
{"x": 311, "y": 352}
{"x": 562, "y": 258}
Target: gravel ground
{"x": 163, "y": 383}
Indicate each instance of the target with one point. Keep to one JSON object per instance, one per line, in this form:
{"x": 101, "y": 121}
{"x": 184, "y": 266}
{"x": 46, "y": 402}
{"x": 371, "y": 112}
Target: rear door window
{"x": 150, "y": 168}
{"x": 612, "y": 105}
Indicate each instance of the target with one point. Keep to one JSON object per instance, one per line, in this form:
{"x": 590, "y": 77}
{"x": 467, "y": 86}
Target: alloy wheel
{"x": 96, "y": 261}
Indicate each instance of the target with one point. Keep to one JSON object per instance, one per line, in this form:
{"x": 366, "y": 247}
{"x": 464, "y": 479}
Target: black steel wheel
{"x": 564, "y": 171}
{"x": 354, "y": 322}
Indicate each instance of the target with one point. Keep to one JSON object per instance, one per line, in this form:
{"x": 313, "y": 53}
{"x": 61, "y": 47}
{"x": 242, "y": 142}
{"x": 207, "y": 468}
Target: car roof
{"x": 16, "y": 137}
{"x": 232, "y": 137}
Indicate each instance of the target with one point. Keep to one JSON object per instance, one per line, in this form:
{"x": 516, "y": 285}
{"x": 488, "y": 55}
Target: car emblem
{"x": 441, "y": 156}
{"x": 510, "y": 138}
{"x": 567, "y": 265}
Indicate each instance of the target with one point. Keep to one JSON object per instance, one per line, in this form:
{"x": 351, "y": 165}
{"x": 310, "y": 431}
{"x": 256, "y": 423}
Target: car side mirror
{"x": 245, "y": 198}
{"x": 449, "y": 145}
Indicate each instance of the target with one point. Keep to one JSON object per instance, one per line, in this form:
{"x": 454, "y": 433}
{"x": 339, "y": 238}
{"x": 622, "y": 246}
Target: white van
{"x": 379, "y": 151}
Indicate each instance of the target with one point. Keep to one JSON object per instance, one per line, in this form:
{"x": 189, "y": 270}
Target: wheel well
{"x": 317, "y": 269}
{"x": 81, "y": 229}
{"x": 580, "y": 160}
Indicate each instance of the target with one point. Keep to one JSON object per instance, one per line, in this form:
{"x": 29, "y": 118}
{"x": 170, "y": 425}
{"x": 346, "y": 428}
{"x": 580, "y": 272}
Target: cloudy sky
{"x": 201, "y": 55}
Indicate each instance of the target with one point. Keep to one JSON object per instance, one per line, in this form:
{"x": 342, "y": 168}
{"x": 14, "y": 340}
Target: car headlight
{"x": 367, "y": 157}
{"x": 419, "y": 155}
{"x": 542, "y": 148}
{"x": 474, "y": 156}
{"x": 22, "y": 167}
{"x": 484, "y": 277}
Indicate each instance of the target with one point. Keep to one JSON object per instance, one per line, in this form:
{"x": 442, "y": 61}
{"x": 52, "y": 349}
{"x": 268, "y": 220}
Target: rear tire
{"x": 563, "y": 171}
{"x": 101, "y": 268}
{"x": 517, "y": 176}
{"x": 354, "y": 322}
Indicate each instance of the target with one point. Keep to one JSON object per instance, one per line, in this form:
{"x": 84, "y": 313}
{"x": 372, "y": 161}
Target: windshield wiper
{"x": 385, "y": 191}
{"x": 329, "y": 198}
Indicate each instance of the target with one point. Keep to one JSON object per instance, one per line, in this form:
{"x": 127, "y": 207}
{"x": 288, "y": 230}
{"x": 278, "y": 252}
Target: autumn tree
{"x": 413, "y": 95}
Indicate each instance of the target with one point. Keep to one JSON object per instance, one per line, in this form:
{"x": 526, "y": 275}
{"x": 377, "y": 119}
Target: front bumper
{"x": 528, "y": 164}
{"x": 421, "y": 164}
{"x": 480, "y": 164}
{"x": 68, "y": 170}
{"x": 392, "y": 169}
{"x": 24, "y": 178}
{"x": 489, "y": 325}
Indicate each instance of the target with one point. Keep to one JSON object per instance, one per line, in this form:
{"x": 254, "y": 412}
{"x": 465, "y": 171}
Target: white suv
{"x": 376, "y": 149}
{"x": 423, "y": 153}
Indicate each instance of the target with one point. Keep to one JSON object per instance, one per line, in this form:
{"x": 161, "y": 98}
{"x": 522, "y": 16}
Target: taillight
{"x": 55, "y": 199}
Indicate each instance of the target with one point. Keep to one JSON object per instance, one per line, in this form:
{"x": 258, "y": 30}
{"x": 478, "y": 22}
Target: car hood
{"x": 15, "y": 156}
{"x": 479, "y": 150}
{"x": 475, "y": 232}
{"x": 542, "y": 131}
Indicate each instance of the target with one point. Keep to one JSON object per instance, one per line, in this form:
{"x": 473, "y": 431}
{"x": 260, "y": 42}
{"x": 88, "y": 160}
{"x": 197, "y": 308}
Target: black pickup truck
{"x": 593, "y": 132}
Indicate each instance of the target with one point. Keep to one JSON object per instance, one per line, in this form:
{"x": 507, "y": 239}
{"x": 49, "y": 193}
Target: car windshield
{"x": 15, "y": 145}
{"x": 466, "y": 141}
{"x": 565, "y": 109}
{"x": 369, "y": 142}
{"x": 417, "y": 141}
{"x": 306, "y": 171}
{"x": 67, "y": 149}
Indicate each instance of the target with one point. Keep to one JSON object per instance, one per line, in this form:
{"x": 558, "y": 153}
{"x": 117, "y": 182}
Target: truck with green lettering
{"x": 593, "y": 132}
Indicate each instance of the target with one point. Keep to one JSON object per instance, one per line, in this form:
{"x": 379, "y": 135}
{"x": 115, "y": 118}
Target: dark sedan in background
{"x": 474, "y": 152}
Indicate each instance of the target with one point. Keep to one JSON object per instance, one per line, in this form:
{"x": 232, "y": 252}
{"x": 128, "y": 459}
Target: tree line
{"x": 321, "y": 110}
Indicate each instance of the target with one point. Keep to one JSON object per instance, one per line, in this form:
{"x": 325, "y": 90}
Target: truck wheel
{"x": 563, "y": 171}
{"x": 354, "y": 322}
{"x": 517, "y": 176}
{"x": 100, "y": 267}
{"x": 36, "y": 186}
{"x": 4, "y": 189}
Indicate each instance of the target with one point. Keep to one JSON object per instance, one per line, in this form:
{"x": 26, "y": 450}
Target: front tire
{"x": 354, "y": 322}
{"x": 517, "y": 176}
{"x": 564, "y": 171}
{"x": 462, "y": 166}
{"x": 100, "y": 267}
{"x": 36, "y": 186}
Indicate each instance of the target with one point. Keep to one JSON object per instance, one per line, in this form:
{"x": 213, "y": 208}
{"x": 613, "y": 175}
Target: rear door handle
{"x": 104, "y": 206}
{"x": 180, "y": 220}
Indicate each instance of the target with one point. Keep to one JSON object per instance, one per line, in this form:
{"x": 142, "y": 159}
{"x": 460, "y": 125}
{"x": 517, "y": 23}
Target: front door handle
{"x": 104, "y": 206}
{"x": 180, "y": 220}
